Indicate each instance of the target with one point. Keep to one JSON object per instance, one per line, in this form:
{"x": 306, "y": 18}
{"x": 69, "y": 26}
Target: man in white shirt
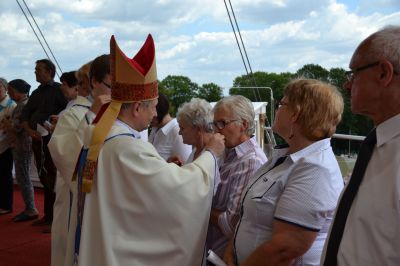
{"x": 371, "y": 232}
{"x": 164, "y": 133}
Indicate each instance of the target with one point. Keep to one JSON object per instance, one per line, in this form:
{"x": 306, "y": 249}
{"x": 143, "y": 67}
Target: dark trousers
{"x": 6, "y": 180}
{"x": 47, "y": 174}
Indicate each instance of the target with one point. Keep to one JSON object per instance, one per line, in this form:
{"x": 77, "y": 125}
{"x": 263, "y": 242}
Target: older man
{"x": 139, "y": 209}
{"x": 366, "y": 230}
{"x": 234, "y": 118}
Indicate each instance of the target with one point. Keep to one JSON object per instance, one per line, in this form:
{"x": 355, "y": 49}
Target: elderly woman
{"x": 195, "y": 125}
{"x": 289, "y": 203}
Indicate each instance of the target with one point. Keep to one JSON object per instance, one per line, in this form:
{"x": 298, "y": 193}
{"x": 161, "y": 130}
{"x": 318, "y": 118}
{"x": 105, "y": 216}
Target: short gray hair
{"x": 241, "y": 108}
{"x": 145, "y": 104}
{"x": 197, "y": 112}
{"x": 385, "y": 43}
{"x": 3, "y": 82}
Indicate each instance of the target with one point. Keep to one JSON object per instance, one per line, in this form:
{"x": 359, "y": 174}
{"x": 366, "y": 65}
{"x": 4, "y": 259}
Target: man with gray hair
{"x": 234, "y": 118}
{"x": 365, "y": 230}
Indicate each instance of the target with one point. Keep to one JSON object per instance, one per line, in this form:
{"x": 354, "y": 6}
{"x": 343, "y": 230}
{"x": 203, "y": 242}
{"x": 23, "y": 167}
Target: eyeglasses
{"x": 106, "y": 84}
{"x": 350, "y": 74}
{"x": 279, "y": 104}
{"x": 221, "y": 124}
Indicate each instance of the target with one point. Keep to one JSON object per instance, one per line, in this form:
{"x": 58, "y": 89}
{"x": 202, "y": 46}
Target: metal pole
{"x": 271, "y": 104}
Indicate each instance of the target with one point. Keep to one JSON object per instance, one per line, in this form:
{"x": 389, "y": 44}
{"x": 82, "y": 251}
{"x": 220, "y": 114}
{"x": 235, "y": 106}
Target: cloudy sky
{"x": 193, "y": 37}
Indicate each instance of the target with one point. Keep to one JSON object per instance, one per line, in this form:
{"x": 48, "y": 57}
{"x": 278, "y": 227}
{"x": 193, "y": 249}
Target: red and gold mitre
{"x": 132, "y": 80}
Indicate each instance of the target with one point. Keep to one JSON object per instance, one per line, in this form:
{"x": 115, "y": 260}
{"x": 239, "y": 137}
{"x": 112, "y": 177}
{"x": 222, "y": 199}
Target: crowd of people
{"x": 200, "y": 182}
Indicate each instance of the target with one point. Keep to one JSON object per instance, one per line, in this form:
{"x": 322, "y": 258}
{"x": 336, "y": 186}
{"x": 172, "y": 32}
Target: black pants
{"x": 6, "y": 180}
{"x": 47, "y": 174}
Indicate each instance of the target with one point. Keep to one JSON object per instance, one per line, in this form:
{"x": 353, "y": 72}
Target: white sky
{"x": 193, "y": 37}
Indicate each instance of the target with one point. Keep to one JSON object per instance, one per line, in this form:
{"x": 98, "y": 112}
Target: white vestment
{"x": 142, "y": 210}
{"x": 65, "y": 145}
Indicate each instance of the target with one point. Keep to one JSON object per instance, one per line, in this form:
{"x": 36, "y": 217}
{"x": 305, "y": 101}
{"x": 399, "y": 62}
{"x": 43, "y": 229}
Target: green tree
{"x": 351, "y": 124}
{"x": 313, "y": 71}
{"x": 244, "y": 85}
{"x": 210, "y": 92}
{"x": 179, "y": 89}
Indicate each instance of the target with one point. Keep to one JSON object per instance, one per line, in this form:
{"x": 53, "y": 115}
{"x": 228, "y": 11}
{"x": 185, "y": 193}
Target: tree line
{"x": 180, "y": 89}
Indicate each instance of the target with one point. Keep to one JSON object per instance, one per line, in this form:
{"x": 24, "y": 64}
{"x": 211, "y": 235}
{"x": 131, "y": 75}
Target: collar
{"x": 169, "y": 126}
{"x": 244, "y": 147}
{"x": 6, "y": 101}
{"x": 310, "y": 149}
{"x": 83, "y": 101}
{"x": 388, "y": 130}
{"x": 44, "y": 85}
{"x": 126, "y": 126}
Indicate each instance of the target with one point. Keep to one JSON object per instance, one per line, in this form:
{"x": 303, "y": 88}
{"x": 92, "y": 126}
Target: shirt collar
{"x": 50, "y": 83}
{"x": 170, "y": 125}
{"x": 131, "y": 130}
{"x": 243, "y": 147}
{"x": 388, "y": 130}
{"x": 4, "y": 102}
{"x": 315, "y": 147}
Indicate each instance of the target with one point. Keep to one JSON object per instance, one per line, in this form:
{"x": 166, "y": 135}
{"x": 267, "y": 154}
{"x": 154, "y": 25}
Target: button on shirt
{"x": 303, "y": 191}
{"x": 372, "y": 232}
{"x": 168, "y": 142}
{"x": 237, "y": 167}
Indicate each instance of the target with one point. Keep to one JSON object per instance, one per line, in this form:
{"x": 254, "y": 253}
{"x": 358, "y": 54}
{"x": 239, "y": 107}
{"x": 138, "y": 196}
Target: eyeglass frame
{"x": 279, "y": 104}
{"x": 221, "y": 124}
{"x": 350, "y": 74}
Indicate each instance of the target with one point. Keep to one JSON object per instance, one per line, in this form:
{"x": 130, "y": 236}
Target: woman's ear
{"x": 295, "y": 116}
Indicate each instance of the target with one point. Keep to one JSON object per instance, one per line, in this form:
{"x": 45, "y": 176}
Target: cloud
{"x": 193, "y": 37}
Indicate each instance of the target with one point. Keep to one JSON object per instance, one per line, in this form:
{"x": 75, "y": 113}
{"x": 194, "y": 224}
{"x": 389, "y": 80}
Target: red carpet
{"x": 21, "y": 243}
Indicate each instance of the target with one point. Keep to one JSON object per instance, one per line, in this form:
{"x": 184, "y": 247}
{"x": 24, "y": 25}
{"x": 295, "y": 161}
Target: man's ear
{"x": 134, "y": 109}
{"x": 245, "y": 125}
{"x": 386, "y": 72}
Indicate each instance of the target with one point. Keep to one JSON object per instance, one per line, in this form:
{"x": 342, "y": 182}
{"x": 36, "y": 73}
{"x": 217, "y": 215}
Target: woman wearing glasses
{"x": 288, "y": 205}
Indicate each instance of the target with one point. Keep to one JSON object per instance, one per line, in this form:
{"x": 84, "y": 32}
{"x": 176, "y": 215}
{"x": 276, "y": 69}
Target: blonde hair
{"x": 319, "y": 106}
{"x": 83, "y": 71}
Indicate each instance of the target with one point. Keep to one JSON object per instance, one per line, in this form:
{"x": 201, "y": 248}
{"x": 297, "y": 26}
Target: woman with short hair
{"x": 195, "y": 125}
{"x": 288, "y": 205}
